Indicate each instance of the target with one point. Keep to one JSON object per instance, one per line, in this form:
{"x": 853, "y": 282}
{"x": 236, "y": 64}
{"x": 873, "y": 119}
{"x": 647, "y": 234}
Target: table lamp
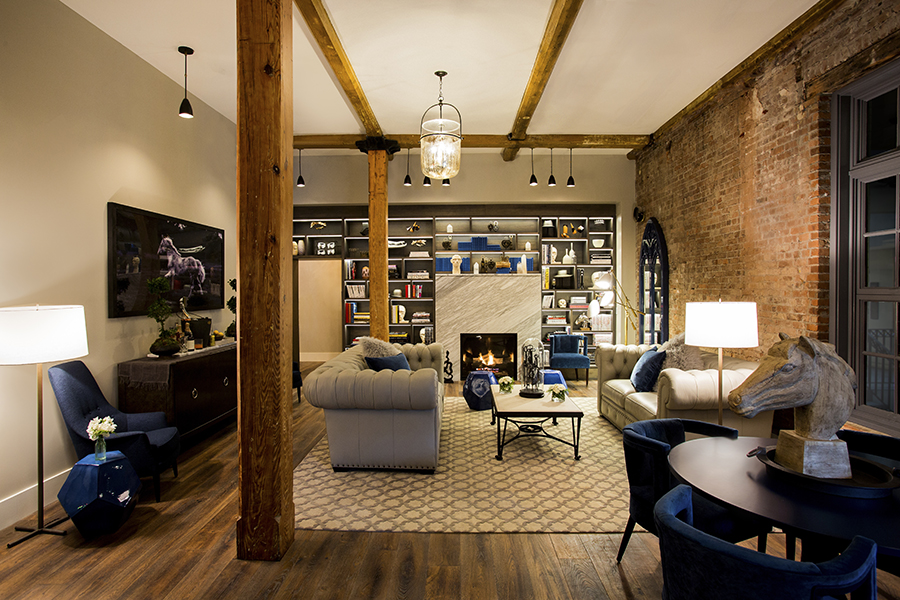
{"x": 33, "y": 335}
{"x": 721, "y": 325}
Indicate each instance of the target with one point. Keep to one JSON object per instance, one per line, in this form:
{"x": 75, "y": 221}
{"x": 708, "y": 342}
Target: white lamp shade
{"x": 38, "y": 334}
{"x": 594, "y": 308}
{"x": 721, "y": 324}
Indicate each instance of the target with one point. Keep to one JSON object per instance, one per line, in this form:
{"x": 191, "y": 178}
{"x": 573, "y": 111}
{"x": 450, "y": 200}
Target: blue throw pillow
{"x": 647, "y": 369}
{"x": 393, "y": 363}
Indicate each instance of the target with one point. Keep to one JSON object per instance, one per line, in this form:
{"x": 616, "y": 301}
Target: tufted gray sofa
{"x": 385, "y": 419}
{"x": 692, "y": 394}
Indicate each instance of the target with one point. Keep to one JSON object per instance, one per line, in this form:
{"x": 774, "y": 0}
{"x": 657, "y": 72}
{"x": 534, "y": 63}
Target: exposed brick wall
{"x": 741, "y": 185}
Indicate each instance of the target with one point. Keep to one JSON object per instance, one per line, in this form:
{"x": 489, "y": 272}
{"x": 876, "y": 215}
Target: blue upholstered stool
{"x": 477, "y": 390}
{"x": 99, "y": 495}
{"x": 551, "y": 376}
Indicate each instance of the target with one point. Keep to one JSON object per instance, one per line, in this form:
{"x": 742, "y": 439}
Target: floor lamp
{"x": 721, "y": 325}
{"x": 33, "y": 335}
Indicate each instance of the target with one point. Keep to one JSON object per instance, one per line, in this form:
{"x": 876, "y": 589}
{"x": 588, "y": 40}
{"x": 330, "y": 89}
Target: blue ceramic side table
{"x": 477, "y": 390}
{"x": 99, "y": 495}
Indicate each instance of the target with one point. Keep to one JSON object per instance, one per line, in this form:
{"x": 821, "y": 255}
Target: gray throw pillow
{"x": 373, "y": 347}
{"x": 681, "y": 356}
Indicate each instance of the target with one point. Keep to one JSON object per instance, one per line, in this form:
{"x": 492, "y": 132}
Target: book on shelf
{"x": 414, "y": 290}
{"x": 578, "y": 306}
{"x": 418, "y": 275}
{"x": 360, "y": 317}
{"x": 357, "y": 290}
{"x": 393, "y": 272}
{"x": 419, "y": 254}
{"x": 349, "y": 311}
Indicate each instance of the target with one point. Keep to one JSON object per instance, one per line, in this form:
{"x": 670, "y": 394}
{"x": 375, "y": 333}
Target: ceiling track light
{"x": 552, "y": 181}
{"x": 185, "y": 111}
{"x": 440, "y": 138}
{"x": 406, "y": 180}
{"x": 300, "y": 182}
{"x": 427, "y": 181}
{"x": 533, "y": 181}
{"x": 570, "y": 182}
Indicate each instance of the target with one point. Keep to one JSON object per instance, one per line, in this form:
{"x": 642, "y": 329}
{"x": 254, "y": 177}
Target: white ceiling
{"x": 627, "y": 66}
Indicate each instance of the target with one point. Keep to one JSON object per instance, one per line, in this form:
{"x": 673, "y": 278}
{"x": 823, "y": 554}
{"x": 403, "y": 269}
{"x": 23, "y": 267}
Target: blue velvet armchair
{"x": 698, "y": 566}
{"x": 570, "y": 352}
{"x": 647, "y": 445}
{"x": 149, "y": 445}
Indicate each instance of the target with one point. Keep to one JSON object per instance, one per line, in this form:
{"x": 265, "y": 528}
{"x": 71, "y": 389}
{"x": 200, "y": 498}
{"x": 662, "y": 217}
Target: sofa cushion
{"x": 641, "y": 406}
{"x": 647, "y": 369}
{"x": 393, "y": 363}
{"x": 615, "y": 391}
{"x": 375, "y": 347}
{"x": 681, "y": 356}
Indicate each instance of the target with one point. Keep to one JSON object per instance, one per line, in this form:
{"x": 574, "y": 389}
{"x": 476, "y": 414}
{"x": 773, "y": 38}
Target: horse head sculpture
{"x": 180, "y": 266}
{"x": 806, "y": 375}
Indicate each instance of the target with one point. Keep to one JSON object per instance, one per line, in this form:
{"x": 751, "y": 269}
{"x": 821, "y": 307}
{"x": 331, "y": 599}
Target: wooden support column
{"x": 265, "y": 528}
{"x": 379, "y": 300}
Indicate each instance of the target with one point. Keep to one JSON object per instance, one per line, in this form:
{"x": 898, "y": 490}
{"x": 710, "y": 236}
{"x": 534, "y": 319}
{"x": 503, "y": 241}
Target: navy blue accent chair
{"x": 149, "y": 445}
{"x": 647, "y": 445}
{"x": 698, "y": 566}
{"x": 570, "y": 352}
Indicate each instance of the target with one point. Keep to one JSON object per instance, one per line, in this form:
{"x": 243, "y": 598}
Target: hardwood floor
{"x": 184, "y": 547}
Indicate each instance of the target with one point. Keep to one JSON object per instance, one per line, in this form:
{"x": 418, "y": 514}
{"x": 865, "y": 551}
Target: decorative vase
{"x": 558, "y": 396}
{"x": 100, "y": 448}
{"x": 506, "y": 388}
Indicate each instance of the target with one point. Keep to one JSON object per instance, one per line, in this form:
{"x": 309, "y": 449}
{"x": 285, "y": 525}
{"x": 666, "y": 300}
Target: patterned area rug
{"x": 537, "y": 487}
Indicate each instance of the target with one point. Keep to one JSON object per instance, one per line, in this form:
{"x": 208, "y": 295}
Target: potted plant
{"x": 167, "y": 343}
{"x": 231, "y": 330}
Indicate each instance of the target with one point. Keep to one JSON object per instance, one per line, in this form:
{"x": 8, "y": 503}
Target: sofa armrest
{"x": 616, "y": 361}
{"x": 374, "y": 390}
{"x": 696, "y": 389}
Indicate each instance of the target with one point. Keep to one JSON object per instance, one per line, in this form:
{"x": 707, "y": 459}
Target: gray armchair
{"x": 149, "y": 445}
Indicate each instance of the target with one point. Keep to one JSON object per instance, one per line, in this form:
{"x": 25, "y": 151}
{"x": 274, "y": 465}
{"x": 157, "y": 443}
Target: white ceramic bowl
{"x": 597, "y": 242}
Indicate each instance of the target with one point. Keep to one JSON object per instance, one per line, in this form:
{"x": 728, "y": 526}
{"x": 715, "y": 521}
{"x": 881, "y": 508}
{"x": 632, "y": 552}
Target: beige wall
{"x": 319, "y": 307}
{"x": 86, "y": 122}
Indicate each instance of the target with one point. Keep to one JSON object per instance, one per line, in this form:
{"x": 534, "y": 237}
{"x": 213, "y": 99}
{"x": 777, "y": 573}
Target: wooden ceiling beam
{"x": 562, "y": 17}
{"x": 319, "y": 23}
{"x": 338, "y": 142}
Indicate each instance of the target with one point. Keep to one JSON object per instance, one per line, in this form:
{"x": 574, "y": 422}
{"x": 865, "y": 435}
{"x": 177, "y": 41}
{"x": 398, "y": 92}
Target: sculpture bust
{"x": 456, "y": 261}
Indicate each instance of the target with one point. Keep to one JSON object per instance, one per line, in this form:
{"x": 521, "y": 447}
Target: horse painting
{"x": 182, "y": 266}
{"x": 805, "y": 374}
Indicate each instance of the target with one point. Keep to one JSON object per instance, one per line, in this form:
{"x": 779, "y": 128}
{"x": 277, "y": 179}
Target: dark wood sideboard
{"x": 196, "y": 391}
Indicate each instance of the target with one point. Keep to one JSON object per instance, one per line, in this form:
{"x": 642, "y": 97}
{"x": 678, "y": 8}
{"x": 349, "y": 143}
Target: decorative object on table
{"x": 583, "y": 322}
{"x": 149, "y": 444}
{"x": 414, "y": 227}
{"x": 527, "y": 246}
{"x": 448, "y": 369}
{"x": 231, "y": 330}
{"x": 448, "y": 243}
{"x": 364, "y": 272}
{"x": 456, "y": 261}
{"x": 397, "y": 293}
{"x": 494, "y": 226}
{"x": 475, "y": 268}
{"x": 396, "y": 244}
{"x": 569, "y": 256}
{"x": 507, "y": 243}
{"x": 808, "y": 376}
{"x": 33, "y": 335}
{"x": 317, "y": 225}
{"x": 295, "y": 249}
{"x": 364, "y": 230}
{"x": 553, "y": 254}
{"x": 579, "y": 231}
{"x": 449, "y": 228}
{"x": 581, "y": 279}
{"x": 522, "y": 267}
{"x": 166, "y": 343}
{"x": 561, "y": 303}
{"x": 597, "y": 242}
{"x": 419, "y": 243}
{"x": 440, "y": 138}
{"x": 503, "y": 263}
{"x": 532, "y": 363}
{"x": 565, "y": 232}
{"x": 477, "y": 390}
{"x": 548, "y": 229}
{"x": 100, "y": 495}
{"x": 193, "y": 261}
{"x": 506, "y": 384}
{"x": 558, "y": 392}
{"x": 98, "y": 428}
{"x": 301, "y": 247}
{"x": 721, "y": 325}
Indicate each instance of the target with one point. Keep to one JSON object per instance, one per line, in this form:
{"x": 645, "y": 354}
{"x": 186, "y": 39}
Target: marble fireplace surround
{"x": 486, "y": 304}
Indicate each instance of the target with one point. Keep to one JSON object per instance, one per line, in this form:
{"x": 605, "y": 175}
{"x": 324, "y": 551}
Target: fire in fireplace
{"x": 495, "y": 352}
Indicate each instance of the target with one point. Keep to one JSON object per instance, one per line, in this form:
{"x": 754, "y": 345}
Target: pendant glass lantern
{"x": 440, "y": 137}
{"x": 532, "y": 363}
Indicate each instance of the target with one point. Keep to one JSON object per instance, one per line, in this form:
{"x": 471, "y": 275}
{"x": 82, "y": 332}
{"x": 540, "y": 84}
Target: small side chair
{"x": 698, "y": 566}
{"x": 570, "y": 352}
{"x": 149, "y": 445}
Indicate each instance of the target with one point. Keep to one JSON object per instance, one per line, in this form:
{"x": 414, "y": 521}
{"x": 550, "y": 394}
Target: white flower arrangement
{"x": 558, "y": 388}
{"x": 506, "y": 383}
{"x": 98, "y": 427}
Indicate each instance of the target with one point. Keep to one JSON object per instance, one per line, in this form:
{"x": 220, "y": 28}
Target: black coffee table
{"x": 529, "y": 416}
{"x": 720, "y": 469}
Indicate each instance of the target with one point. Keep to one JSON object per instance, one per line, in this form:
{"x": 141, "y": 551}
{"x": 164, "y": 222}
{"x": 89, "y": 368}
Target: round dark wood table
{"x": 719, "y": 469}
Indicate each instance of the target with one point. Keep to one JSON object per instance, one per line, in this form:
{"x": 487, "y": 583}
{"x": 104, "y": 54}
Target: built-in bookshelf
{"x": 573, "y": 254}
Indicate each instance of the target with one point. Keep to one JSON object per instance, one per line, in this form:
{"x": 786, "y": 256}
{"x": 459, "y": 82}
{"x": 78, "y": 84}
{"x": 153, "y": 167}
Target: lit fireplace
{"x": 495, "y": 352}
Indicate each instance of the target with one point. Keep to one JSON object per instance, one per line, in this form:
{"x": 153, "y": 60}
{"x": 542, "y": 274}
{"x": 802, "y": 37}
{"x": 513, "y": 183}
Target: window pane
{"x": 880, "y": 261}
{"x": 881, "y": 123}
{"x": 880, "y": 378}
{"x": 881, "y": 205}
{"x": 881, "y": 325}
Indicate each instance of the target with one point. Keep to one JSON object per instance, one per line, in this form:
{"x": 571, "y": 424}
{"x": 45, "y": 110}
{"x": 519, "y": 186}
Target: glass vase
{"x": 559, "y": 396}
{"x": 100, "y": 448}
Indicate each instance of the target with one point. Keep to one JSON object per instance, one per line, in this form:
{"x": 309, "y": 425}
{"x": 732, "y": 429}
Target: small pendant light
{"x": 300, "y": 182}
{"x": 427, "y": 181}
{"x": 533, "y": 181}
{"x": 406, "y": 180}
{"x": 445, "y": 183}
{"x": 570, "y": 182}
{"x": 185, "y": 111}
{"x": 552, "y": 181}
